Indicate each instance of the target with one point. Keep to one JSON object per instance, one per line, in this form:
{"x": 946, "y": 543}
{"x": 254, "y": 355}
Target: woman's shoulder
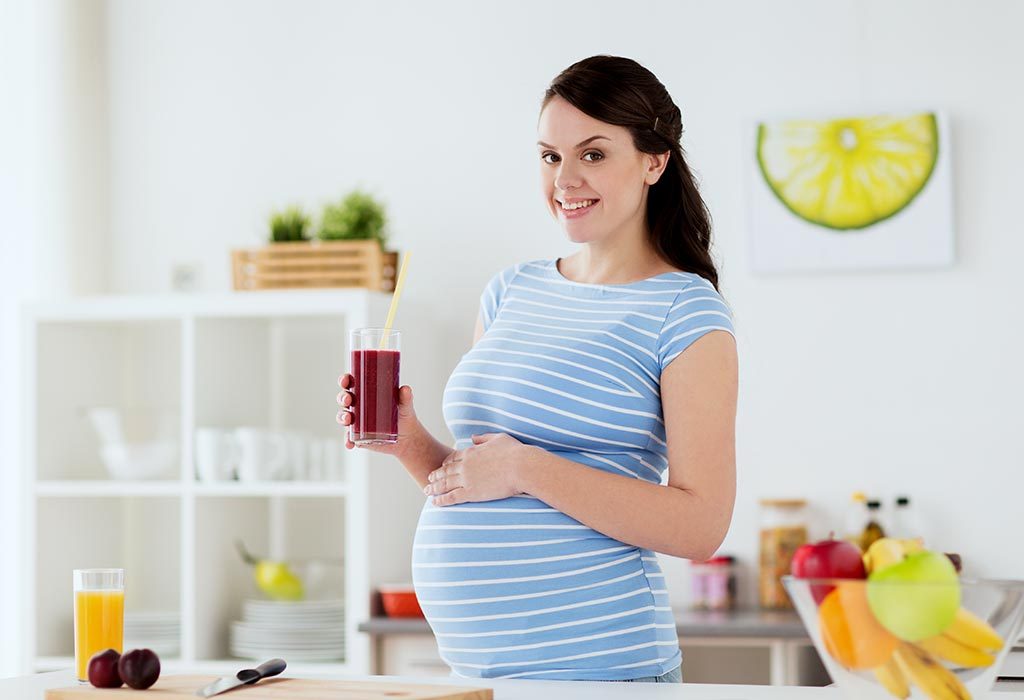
{"x": 537, "y": 264}
{"x": 695, "y": 288}
{"x": 505, "y": 274}
{"x": 691, "y": 281}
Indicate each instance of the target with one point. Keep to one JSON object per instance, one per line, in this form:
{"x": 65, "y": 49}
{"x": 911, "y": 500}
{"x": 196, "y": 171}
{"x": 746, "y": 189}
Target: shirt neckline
{"x": 553, "y": 264}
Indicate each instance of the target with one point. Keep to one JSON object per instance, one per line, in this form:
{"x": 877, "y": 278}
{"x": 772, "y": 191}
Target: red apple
{"x": 829, "y": 558}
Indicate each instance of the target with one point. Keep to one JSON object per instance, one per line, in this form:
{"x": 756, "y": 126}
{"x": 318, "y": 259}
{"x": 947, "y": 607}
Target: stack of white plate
{"x": 312, "y": 630}
{"x": 159, "y": 631}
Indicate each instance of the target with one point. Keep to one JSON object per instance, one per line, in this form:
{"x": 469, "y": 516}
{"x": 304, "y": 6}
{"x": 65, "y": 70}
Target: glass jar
{"x": 783, "y": 530}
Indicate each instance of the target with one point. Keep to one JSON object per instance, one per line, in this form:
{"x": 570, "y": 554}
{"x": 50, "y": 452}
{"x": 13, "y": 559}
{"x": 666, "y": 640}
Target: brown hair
{"x": 621, "y": 92}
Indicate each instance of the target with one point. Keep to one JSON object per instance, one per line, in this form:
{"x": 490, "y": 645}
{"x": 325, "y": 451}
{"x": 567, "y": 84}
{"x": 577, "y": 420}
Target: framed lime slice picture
{"x": 850, "y": 192}
{"x": 848, "y": 174}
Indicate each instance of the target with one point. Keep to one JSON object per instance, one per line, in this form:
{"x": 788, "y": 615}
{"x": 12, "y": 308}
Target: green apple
{"x": 916, "y": 598}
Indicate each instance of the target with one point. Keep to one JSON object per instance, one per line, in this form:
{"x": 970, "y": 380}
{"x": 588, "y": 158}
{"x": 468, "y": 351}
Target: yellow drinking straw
{"x": 394, "y": 299}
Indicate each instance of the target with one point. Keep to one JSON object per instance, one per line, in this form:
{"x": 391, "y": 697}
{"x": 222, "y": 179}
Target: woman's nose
{"x": 567, "y": 178}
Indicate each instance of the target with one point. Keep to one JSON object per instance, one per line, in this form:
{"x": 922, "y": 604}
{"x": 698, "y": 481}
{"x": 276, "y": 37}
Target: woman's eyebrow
{"x": 581, "y": 144}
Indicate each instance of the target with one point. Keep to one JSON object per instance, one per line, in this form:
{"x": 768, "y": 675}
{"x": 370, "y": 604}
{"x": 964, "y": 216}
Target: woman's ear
{"x": 656, "y": 164}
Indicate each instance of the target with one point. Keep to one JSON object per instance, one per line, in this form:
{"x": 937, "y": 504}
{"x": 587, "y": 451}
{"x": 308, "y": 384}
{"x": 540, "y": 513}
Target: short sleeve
{"x": 494, "y": 294}
{"x": 697, "y": 310}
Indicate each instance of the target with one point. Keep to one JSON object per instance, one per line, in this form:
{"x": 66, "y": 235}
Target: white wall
{"x": 16, "y": 195}
{"x": 71, "y": 146}
{"x": 53, "y": 202}
{"x": 17, "y": 198}
{"x": 887, "y": 382}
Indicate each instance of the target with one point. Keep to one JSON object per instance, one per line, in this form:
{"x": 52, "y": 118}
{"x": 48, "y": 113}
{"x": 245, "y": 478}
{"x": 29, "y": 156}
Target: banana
{"x": 960, "y": 655}
{"x": 912, "y": 544}
{"x": 934, "y": 679}
{"x": 882, "y": 553}
{"x": 971, "y": 631}
{"x": 892, "y": 679}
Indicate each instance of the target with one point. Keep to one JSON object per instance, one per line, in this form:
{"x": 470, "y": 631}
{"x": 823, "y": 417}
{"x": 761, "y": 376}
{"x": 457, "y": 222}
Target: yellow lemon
{"x": 848, "y": 173}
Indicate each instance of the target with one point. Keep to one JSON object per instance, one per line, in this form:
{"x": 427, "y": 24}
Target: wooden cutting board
{"x": 181, "y": 687}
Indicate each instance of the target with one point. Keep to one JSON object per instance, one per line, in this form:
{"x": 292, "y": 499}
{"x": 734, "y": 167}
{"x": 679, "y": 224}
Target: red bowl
{"x": 400, "y": 601}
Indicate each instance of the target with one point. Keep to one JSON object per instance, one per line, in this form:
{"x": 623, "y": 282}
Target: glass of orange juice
{"x": 99, "y": 615}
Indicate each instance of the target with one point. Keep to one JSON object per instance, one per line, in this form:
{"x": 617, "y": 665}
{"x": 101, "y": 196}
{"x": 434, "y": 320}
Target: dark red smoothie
{"x": 375, "y": 417}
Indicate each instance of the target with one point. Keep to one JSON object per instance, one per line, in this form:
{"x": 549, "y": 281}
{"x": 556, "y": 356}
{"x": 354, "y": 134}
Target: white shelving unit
{"x": 264, "y": 359}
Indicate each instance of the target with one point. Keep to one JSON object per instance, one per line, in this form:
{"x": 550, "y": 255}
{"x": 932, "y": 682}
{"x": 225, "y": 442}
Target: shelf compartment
{"x": 134, "y": 368}
{"x": 142, "y": 536}
{"x": 292, "y": 528}
{"x": 271, "y": 372}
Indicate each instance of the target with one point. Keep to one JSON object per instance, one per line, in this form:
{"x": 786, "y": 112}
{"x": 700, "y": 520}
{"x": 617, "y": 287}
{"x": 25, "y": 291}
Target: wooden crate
{"x": 309, "y": 264}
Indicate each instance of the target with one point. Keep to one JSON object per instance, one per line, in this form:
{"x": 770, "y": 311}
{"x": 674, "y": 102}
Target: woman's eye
{"x": 548, "y": 156}
{"x": 598, "y": 154}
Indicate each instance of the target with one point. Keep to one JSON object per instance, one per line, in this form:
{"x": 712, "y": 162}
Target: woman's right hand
{"x": 408, "y": 425}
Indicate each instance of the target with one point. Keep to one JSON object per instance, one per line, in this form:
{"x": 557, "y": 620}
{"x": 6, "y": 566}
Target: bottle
{"x": 905, "y": 524}
{"x": 856, "y": 517}
{"x": 783, "y": 530}
{"x": 873, "y": 530}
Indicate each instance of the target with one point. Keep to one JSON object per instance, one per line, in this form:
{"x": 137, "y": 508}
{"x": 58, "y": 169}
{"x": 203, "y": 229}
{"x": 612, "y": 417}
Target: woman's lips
{"x": 576, "y": 213}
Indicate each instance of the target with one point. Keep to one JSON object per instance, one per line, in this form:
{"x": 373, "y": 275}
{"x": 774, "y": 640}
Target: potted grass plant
{"x": 357, "y": 217}
{"x": 289, "y": 225}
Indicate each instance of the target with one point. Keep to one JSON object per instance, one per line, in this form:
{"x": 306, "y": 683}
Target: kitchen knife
{"x": 246, "y": 676}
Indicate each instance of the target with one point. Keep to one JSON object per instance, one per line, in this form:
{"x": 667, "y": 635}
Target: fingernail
{"x": 426, "y": 490}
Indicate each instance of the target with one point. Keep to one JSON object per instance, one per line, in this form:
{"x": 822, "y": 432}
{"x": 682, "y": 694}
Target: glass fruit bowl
{"x": 904, "y": 639}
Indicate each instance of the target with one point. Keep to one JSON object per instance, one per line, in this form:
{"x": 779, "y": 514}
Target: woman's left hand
{"x": 484, "y": 472}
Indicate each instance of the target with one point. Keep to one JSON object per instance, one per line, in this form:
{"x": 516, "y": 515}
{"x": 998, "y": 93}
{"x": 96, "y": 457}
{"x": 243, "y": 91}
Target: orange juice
{"x": 99, "y": 625}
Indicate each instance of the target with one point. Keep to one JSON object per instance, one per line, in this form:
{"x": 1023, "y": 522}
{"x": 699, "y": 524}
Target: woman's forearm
{"x": 424, "y": 454}
{"x": 663, "y": 519}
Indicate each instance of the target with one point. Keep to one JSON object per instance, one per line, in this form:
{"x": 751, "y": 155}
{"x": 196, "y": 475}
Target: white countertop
{"x": 34, "y": 687}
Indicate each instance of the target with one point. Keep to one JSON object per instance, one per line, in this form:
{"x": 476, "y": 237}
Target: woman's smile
{"x": 575, "y": 208}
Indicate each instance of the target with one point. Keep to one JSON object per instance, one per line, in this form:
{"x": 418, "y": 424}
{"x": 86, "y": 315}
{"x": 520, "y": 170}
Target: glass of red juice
{"x": 375, "y": 359}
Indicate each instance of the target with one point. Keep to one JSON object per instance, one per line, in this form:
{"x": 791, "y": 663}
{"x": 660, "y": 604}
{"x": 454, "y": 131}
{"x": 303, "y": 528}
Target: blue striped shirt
{"x": 514, "y": 588}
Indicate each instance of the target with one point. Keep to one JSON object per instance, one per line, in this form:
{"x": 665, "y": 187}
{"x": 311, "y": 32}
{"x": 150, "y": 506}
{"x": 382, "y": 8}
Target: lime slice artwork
{"x": 848, "y": 174}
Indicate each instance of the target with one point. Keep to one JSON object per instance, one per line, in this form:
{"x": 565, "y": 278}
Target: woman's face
{"x": 593, "y": 168}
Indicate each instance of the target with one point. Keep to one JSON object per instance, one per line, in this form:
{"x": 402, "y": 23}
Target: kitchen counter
{"x": 781, "y": 634}
{"x": 690, "y": 624}
{"x": 34, "y": 687}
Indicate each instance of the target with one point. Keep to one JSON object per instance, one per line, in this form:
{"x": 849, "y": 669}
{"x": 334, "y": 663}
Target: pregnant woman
{"x": 594, "y": 415}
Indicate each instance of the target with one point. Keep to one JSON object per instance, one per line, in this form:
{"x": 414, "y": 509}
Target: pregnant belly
{"x": 504, "y": 581}
{"x": 513, "y": 532}
{"x": 521, "y": 546}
